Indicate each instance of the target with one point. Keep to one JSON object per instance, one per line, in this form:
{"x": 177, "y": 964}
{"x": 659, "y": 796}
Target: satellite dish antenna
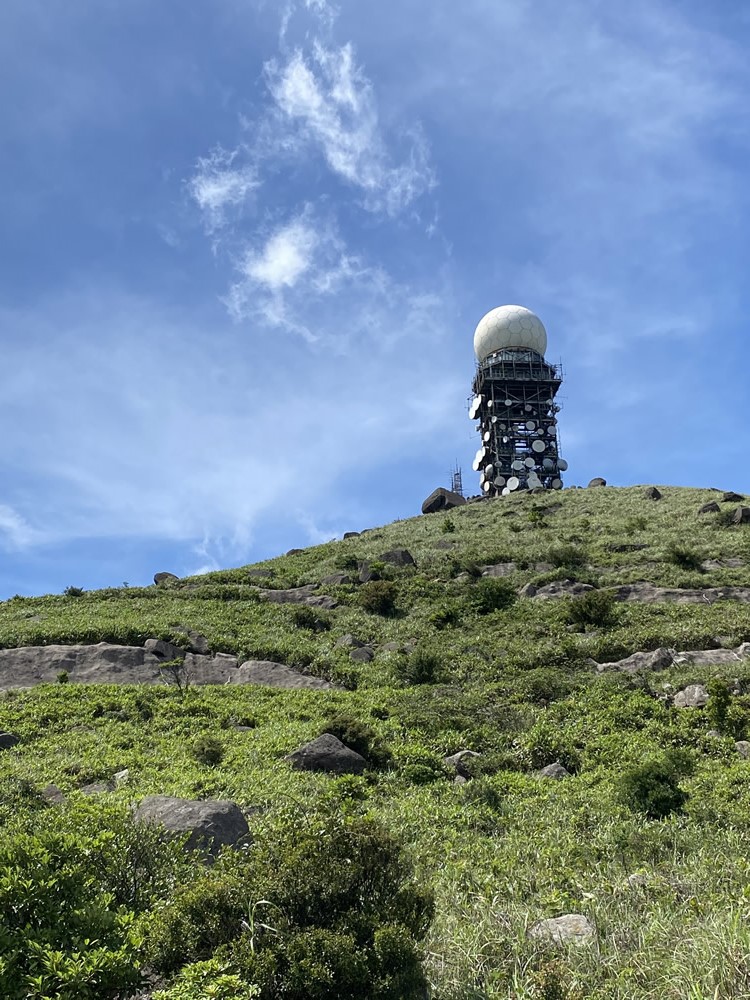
{"x": 486, "y": 436}
{"x": 562, "y": 465}
{"x": 509, "y": 402}
{"x": 548, "y": 464}
{"x": 557, "y": 484}
{"x": 475, "y": 465}
{"x": 494, "y": 420}
{"x": 490, "y": 403}
{"x": 538, "y": 446}
{"x": 517, "y": 465}
{"x": 529, "y": 463}
{"x": 513, "y": 483}
{"x": 505, "y": 492}
{"x": 488, "y": 469}
{"x": 530, "y": 425}
{"x": 486, "y": 487}
{"x": 499, "y": 481}
{"x": 527, "y": 408}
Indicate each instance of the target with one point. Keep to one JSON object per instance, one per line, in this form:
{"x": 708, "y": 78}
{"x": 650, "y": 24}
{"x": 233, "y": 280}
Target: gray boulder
{"x": 328, "y": 754}
{"x": 398, "y": 557}
{"x": 164, "y": 577}
{"x": 500, "y": 569}
{"x": 598, "y": 481}
{"x": 555, "y": 771}
{"x": 277, "y": 675}
{"x": 351, "y": 534}
{"x": 709, "y": 508}
{"x": 571, "y": 928}
{"x": 8, "y": 740}
{"x": 743, "y": 748}
{"x": 349, "y": 641}
{"x": 442, "y": 499}
{"x": 362, "y": 655}
{"x": 741, "y": 516}
{"x": 336, "y": 579}
{"x": 732, "y": 498}
{"x": 559, "y": 588}
{"x": 456, "y": 762}
{"x": 626, "y": 546}
{"x": 195, "y": 642}
{"x": 651, "y": 493}
{"x": 300, "y": 595}
{"x": 163, "y": 650}
{"x": 53, "y": 795}
{"x": 656, "y": 659}
{"x": 264, "y": 574}
{"x": 210, "y": 823}
{"x": 693, "y": 696}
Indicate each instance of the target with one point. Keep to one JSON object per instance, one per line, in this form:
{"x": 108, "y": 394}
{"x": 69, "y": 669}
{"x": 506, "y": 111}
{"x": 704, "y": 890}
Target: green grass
{"x": 516, "y": 684}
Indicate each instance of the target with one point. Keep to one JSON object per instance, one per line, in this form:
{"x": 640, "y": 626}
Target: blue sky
{"x": 246, "y": 244}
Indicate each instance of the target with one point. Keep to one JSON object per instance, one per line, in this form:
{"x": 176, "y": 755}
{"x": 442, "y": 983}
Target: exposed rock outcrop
{"x": 329, "y": 754}
{"x": 210, "y": 823}
{"x": 442, "y": 499}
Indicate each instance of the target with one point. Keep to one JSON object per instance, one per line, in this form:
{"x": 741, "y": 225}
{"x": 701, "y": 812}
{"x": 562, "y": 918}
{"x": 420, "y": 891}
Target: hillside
{"x": 511, "y": 635}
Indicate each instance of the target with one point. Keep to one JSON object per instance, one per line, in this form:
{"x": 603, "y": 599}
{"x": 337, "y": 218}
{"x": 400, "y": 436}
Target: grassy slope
{"x": 503, "y": 850}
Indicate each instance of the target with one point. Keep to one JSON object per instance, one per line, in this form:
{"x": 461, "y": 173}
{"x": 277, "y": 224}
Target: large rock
{"x": 626, "y": 546}
{"x": 709, "y": 508}
{"x": 194, "y": 641}
{"x": 732, "y": 498}
{"x": 351, "y": 534}
{"x": 457, "y": 762}
{"x": 598, "y": 481}
{"x": 693, "y": 696}
{"x": 336, "y": 580}
{"x": 647, "y": 593}
{"x": 651, "y": 493}
{"x": 277, "y": 675}
{"x": 329, "y": 754}
{"x": 8, "y": 740}
{"x": 656, "y": 659}
{"x": 398, "y": 557}
{"x": 164, "y": 650}
{"x": 300, "y": 595}
{"x": 571, "y": 928}
{"x": 211, "y": 823}
{"x": 164, "y": 577}
{"x": 442, "y": 499}
{"x": 741, "y": 516}
{"x": 364, "y": 654}
{"x": 559, "y": 588}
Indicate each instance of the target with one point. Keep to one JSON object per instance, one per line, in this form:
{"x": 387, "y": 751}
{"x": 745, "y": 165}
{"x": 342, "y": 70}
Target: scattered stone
{"x": 647, "y": 593}
{"x": 499, "y": 569}
{"x": 364, "y": 571}
{"x": 741, "y": 516}
{"x": 164, "y": 578}
{"x": 445, "y": 543}
{"x": 743, "y": 748}
{"x": 8, "y": 740}
{"x": 163, "y": 650}
{"x": 456, "y": 762}
{"x": 328, "y": 754}
{"x": 714, "y": 564}
{"x": 571, "y": 928}
{"x": 559, "y": 588}
{"x": 626, "y": 546}
{"x": 350, "y": 641}
{"x": 714, "y": 733}
{"x": 97, "y": 787}
{"x": 398, "y": 557}
{"x": 651, "y": 493}
{"x": 693, "y": 696}
{"x": 277, "y": 675}
{"x": 196, "y": 643}
{"x": 210, "y": 823}
{"x": 362, "y": 655}
{"x": 336, "y": 580}
{"x": 294, "y": 552}
{"x": 638, "y": 880}
{"x": 391, "y": 647}
{"x": 555, "y": 771}
{"x": 598, "y": 481}
{"x": 121, "y": 777}
{"x": 657, "y": 659}
{"x": 351, "y": 534}
{"x": 442, "y": 499}
{"x": 732, "y": 498}
{"x": 300, "y": 595}
{"x": 460, "y": 780}
{"x": 709, "y": 508}
{"x": 265, "y": 574}
{"x": 53, "y": 795}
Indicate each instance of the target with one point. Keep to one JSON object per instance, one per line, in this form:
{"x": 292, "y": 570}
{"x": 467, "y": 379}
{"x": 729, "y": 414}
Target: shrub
{"x": 63, "y": 677}
{"x": 638, "y": 523}
{"x": 378, "y": 597}
{"x": 595, "y": 608}
{"x": 447, "y": 527}
{"x": 358, "y": 736}
{"x": 212, "y": 980}
{"x": 420, "y": 667}
{"x": 445, "y": 615}
{"x": 74, "y": 592}
{"x": 346, "y": 561}
{"x": 684, "y": 558}
{"x": 208, "y": 750}
{"x": 719, "y": 702}
{"x": 653, "y": 787}
{"x": 568, "y": 556}
{"x": 310, "y": 618}
{"x": 489, "y": 594}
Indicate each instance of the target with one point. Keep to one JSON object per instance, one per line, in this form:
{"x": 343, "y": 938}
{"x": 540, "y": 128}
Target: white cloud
{"x": 331, "y": 102}
{"x": 286, "y": 256}
{"x": 219, "y": 186}
{"x": 15, "y": 532}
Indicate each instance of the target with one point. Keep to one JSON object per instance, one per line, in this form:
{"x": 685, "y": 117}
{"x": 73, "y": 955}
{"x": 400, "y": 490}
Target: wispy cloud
{"x": 329, "y": 100}
{"x": 221, "y": 185}
{"x": 15, "y": 532}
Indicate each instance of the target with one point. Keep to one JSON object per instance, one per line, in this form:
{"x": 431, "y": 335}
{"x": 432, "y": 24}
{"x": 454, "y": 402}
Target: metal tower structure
{"x": 514, "y": 402}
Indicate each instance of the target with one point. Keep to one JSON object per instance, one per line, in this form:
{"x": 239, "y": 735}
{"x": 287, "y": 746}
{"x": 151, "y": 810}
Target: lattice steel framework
{"x": 514, "y": 402}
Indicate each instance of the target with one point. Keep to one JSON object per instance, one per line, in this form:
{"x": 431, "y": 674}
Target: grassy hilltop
{"x": 352, "y": 885}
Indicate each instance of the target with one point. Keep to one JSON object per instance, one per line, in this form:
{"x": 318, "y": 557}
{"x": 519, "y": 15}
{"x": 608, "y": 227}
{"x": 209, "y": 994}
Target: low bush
{"x": 378, "y": 597}
{"x": 447, "y": 526}
{"x": 567, "y": 555}
{"x": 652, "y": 788}
{"x": 311, "y": 619}
{"x": 208, "y": 750}
{"x": 684, "y": 558}
{"x": 445, "y": 615}
{"x": 595, "y": 608}
{"x": 419, "y": 667}
{"x": 74, "y": 592}
{"x": 490, "y": 594}
{"x": 358, "y": 736}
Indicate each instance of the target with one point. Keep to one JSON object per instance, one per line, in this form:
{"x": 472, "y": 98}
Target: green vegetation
{"x": 374, "y": 885}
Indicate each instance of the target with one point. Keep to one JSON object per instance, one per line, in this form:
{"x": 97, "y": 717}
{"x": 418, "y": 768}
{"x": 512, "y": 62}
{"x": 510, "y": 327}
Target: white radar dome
{"x": 509, "y": 328}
